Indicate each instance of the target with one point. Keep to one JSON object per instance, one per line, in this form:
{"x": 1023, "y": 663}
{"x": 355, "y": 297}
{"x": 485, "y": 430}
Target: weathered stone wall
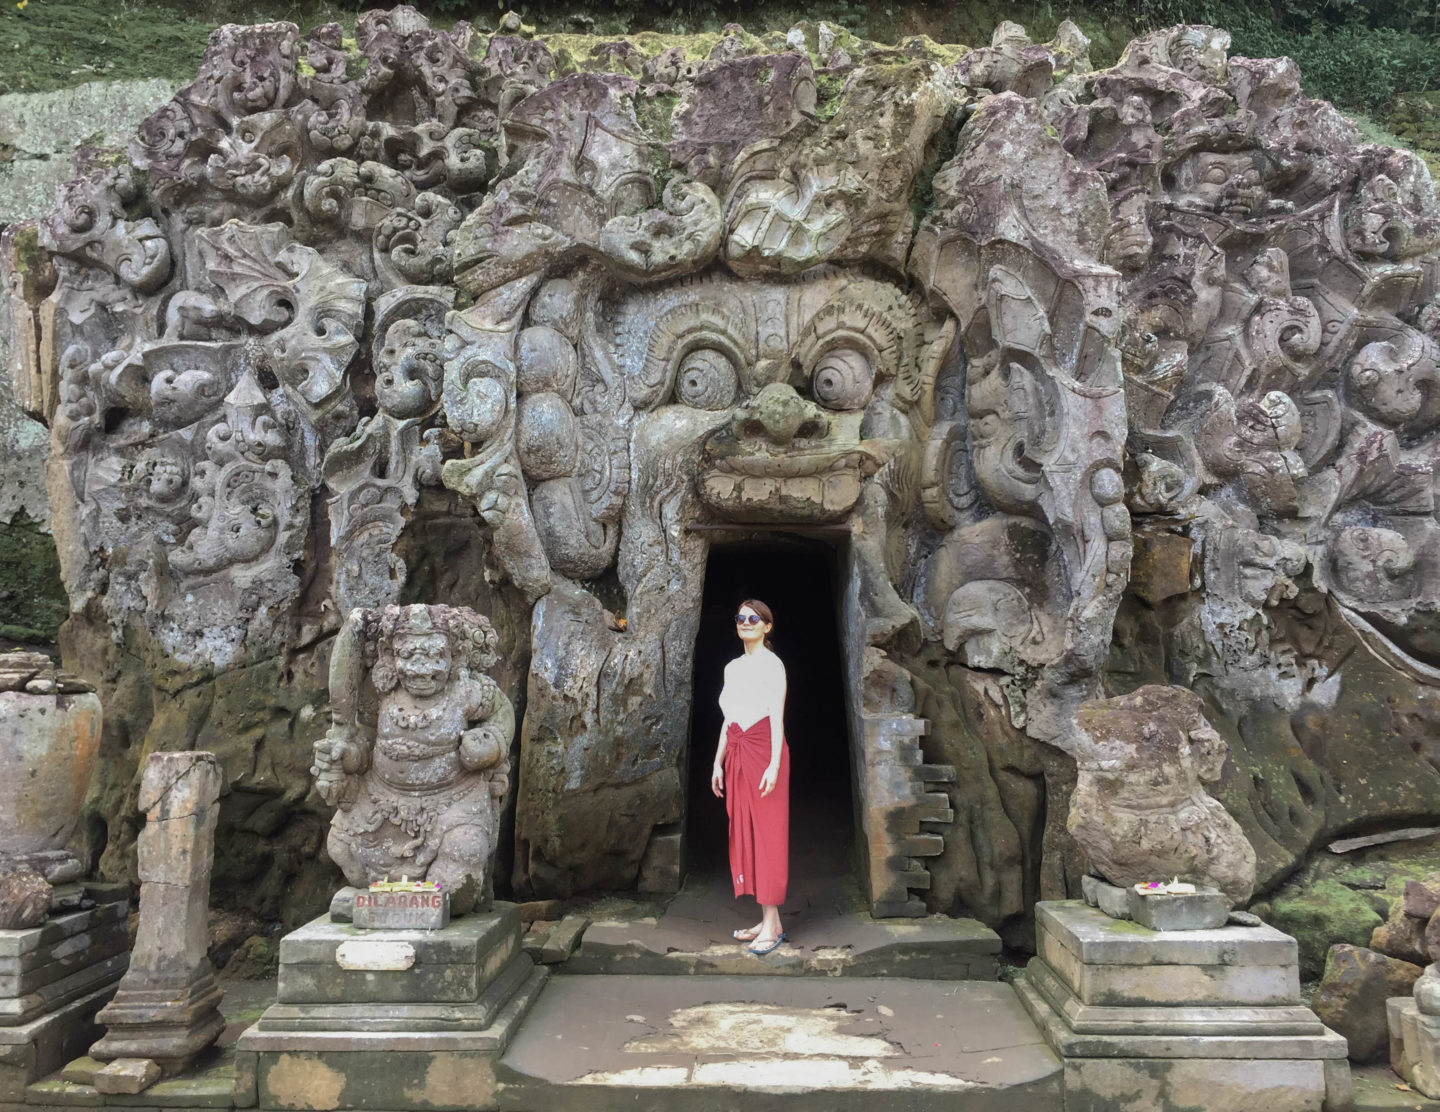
{"x": 1105, "y": 378}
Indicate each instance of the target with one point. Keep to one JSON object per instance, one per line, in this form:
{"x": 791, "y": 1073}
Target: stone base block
{"x": 389, "y": 1019}
{"x": 302, "y": 1070}
{"x": 1205, "y": 909}
{"x": 1184, "y": 1085}
{"x": 1151, "y": 1021}
{"x": 325, "y": 962}
{"x": 170, "y": 1024}
{"x": 1108, "y": 962}
{"x": 1414, "y": 1045}
{"x": 476, "y": 1015}
{"x": 31, "y": 1050}
{"x": 66, "y": 958}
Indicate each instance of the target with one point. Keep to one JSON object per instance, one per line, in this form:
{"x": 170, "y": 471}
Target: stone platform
{"x": 1169, "y": 1021}
{"x": 53, "y": 979}
{"x": 673, "y": 1044}
{"x": 368, "y": 1019}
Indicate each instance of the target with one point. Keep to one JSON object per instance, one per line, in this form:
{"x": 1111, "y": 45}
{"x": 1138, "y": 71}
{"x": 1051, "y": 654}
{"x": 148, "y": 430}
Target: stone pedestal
{"x": 53, "y": 979}
{"x": 442, "y": 1005}
{"x": 167, "y": 1005}
{"x": 1414, "y": 1044}
{"x": 1164, "y": 1021}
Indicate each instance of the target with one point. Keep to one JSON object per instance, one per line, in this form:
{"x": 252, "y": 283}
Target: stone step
{"x": 932, "y": 947}
{"x": 676, "y": 1044}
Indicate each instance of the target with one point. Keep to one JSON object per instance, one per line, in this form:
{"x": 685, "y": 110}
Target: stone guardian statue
{"x": 417, "y": 761}
{"x": 1140, "y": 811}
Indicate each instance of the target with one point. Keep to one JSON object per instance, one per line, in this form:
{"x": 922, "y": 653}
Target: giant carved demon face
{"x": 798, "y": 390}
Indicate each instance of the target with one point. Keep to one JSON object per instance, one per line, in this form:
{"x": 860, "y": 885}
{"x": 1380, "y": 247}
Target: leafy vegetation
{"x": 1362, "y": 54}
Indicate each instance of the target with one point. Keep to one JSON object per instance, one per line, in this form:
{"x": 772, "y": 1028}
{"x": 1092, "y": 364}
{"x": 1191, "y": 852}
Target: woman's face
{"x": 749, "y": 626}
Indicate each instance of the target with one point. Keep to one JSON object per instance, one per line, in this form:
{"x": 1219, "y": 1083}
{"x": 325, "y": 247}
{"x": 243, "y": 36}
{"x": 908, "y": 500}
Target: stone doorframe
{"x": 902, "y": 809}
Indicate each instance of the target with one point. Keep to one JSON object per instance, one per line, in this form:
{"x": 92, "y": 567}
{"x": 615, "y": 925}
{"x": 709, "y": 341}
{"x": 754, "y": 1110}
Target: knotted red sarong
{"x": 759, "y": 827}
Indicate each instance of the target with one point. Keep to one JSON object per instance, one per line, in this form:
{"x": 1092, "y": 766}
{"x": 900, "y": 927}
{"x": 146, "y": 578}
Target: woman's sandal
{"x": 767, "y": 947}
{"x": 745, "y": 934}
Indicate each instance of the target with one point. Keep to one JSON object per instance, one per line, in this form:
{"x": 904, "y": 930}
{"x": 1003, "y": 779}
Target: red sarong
{"x": 759, "y": 827}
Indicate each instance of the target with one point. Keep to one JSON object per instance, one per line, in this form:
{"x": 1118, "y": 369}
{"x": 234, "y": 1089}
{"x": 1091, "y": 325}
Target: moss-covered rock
{"x": 1343, "y": 898}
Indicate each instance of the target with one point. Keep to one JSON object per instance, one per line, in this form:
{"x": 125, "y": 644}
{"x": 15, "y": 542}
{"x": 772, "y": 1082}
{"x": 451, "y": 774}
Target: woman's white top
{"x": 754, "y": 688}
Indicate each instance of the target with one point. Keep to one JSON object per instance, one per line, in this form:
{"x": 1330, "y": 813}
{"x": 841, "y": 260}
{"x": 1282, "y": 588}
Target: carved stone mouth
{"x": 807, "y": 484}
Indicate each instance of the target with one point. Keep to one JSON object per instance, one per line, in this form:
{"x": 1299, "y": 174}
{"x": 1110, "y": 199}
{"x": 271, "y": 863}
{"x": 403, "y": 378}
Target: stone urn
{"x": 49, "y": 740}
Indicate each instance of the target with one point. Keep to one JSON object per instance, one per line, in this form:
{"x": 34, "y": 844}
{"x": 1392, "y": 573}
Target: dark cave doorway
{"x": 799, "y": 577}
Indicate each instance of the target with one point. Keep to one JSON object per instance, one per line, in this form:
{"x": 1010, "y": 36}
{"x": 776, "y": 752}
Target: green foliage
{"x": 1358, "y": 53}
{"x": 32, "y": 600}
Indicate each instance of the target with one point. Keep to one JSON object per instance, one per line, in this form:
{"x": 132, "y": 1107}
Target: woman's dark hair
{"x": 765, "y": 615}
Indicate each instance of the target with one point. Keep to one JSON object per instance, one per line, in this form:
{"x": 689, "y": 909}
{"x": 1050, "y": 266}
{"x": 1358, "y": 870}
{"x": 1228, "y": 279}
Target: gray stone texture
{"x": 1228, "y": 1032}
{"x": 1352, "y": 995}
{"x": 167, "y": 1004}
{"x": 986, "y": 316}
{"x": 125, "y": 1076}
{"x": 24, "y": 899}
{"x": 1140, "y": 812}
{"x": 421, "y": 1032}
{"x": 417, "y": 763}
{"x": 45, "y": 131}
{"x": 1414, "y": 1045}
{"x": 1204, "y": 909}
{"x": 49, "y": 746}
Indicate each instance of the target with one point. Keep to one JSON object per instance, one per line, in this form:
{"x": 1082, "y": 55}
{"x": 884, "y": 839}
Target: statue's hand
{"x": 336, "y": 759}
{"x": 481, "y": 747}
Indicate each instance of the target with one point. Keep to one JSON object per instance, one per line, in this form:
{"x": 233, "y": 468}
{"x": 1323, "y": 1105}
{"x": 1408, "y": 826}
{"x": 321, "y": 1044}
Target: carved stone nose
{"x": 779, "y": 414}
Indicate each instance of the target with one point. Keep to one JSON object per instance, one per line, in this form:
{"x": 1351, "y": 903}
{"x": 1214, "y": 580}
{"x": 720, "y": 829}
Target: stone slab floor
{"x": 681, "y": 1043}
{"x": 825, "y": 914}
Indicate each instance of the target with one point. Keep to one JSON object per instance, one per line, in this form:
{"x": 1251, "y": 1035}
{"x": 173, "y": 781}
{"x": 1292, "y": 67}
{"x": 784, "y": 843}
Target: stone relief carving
{"x": 1003, "y": 321}
{"x": 1140, "y": 811}
{"x": 417, "y": 763}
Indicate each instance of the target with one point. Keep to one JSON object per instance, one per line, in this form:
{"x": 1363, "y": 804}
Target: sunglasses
{"x": 748, "y": 619}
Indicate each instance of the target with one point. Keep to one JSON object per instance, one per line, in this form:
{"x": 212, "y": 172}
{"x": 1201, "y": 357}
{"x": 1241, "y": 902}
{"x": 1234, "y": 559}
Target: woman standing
{"x": 752, "y": 774}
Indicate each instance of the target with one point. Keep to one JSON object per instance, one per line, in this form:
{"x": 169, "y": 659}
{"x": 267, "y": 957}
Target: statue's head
{"x": 422, "y": 648}
{"x": 1154, "y": 725}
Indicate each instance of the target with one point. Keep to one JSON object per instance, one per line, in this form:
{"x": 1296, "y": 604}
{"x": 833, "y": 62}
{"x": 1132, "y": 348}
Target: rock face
{"x": 1352, "y": 994}
{"x": 418, "y": 761}
{"x": 1140, "y": 811}
{"x": 479, "y": 320}
{"x": 167, "y": 1005}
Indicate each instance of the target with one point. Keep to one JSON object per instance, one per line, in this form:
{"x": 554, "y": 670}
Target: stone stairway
{"x": 904, "y": 815}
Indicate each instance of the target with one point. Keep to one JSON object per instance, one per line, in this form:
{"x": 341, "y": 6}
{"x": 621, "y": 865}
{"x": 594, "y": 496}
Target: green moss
{"x": 1343, "y": 898}
{"x": 32, "y": 598}
{"x": 656, "y": 115}
{"x": 1320, "y": 915}
{"x": 29, "y": 257}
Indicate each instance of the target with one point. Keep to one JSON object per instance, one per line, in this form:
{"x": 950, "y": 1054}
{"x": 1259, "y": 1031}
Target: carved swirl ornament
{"x": 601, "y": 307}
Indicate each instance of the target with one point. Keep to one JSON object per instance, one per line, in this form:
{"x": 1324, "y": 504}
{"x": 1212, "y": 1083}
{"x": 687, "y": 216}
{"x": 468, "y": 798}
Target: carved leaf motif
{"x": 313, "y": 310}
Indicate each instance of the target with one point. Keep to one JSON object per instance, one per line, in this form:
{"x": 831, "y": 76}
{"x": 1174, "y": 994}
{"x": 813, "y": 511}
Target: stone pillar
{"x": 167, "y": 1005}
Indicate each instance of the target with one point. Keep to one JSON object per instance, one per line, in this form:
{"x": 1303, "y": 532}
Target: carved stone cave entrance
{"x": 800, "y": 577}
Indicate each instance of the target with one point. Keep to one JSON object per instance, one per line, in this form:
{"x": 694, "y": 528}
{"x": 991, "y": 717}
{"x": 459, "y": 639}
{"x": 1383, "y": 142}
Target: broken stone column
{"x": 167, "y": 1005}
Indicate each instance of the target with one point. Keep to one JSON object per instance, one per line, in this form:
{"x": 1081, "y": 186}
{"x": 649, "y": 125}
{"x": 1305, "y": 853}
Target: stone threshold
{"x": 830, "y": 933}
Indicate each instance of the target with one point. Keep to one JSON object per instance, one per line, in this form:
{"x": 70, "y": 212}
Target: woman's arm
{"x": 777, "y": 736}
{"x": 717, "y": 774}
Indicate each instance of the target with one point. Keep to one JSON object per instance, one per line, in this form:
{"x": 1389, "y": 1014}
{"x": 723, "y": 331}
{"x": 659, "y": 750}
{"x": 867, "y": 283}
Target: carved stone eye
{"x": 707, "y": 380}
{"x": 843, "y": 379}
